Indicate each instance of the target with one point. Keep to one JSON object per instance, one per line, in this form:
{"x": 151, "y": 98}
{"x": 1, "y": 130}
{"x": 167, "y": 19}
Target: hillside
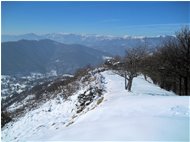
{"x": 42, "y": 56}
{"x": 147, "y": 113}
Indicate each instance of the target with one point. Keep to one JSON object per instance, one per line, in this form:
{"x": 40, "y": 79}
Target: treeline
{"x": 168, "y": 66}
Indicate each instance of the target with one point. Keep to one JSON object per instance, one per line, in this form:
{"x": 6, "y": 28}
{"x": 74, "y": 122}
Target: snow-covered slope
{"x": 146, "y": 113}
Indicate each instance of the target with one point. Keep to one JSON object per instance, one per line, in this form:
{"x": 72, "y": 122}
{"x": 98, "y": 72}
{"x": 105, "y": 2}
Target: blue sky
{"x": 105, "y": 18}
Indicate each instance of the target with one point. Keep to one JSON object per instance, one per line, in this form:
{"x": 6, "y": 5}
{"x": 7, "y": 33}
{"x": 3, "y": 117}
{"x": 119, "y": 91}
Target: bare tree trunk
{"x": 186, "y": 85}
{"x": 129, "y": 85}
{"x": 180, "y": 85}
{"x": 145, "y": 77}
{"x": 126, "y": 81}
{"x": 175, "y": 85}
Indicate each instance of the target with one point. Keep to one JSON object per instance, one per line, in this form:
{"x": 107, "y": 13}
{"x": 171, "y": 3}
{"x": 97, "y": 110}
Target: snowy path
{"x": 148, "y": 113}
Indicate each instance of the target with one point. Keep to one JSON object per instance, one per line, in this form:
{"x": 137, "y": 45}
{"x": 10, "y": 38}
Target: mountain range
{"x": 26, "y": 56}
{"x": 64, "y": 52}
{"x": 114, "y": 45}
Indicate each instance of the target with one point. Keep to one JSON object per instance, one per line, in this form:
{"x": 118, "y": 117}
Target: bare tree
{"x": 183, "y": 38}
{"x": 169, "y": 66}
{"x": 132, "y": 62}
{"x": 175, "y": 57}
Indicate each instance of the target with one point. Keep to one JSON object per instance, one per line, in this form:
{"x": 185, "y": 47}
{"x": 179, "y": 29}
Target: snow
{"x": 133, "y": 37}
{"x": 52, "y": 73}
{"x": 107, "y": 58}
{"x": 68, "y": 75}
{"x": 148, "y": 113}
{"x": 49, "y": 116}
{"x": 18, "y": 105}
{"x": 57, "y": 60}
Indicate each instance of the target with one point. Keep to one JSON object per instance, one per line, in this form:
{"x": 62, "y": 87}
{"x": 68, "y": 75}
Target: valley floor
{"x": 148, "y": 113}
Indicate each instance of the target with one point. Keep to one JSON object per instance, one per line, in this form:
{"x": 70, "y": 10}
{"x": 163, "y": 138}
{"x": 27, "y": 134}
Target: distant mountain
{"x": 26, "y": 56}
{"x": 30, "y": 36}
{"x": 110, "y": 44}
